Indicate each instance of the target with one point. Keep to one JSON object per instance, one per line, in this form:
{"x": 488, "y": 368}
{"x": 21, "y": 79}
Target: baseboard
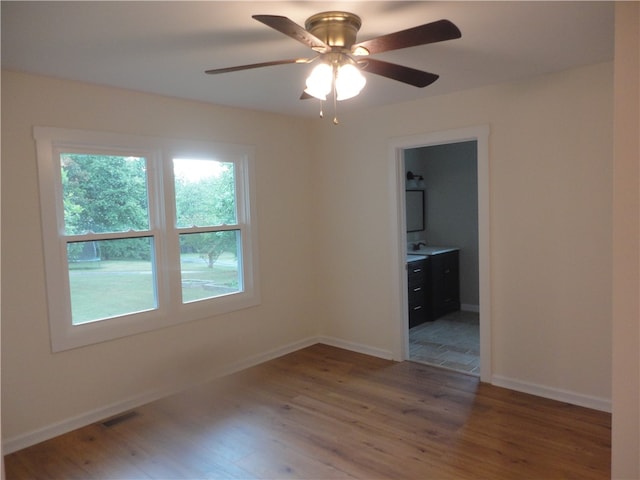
{"x": 24, "y": 440}
{"x": 588, "y": 401}
{"x": 356, "y": 347}
{"x": 13, "y": 444}
{"x": 465, "y": 307}
{"x": 264, "y": 357}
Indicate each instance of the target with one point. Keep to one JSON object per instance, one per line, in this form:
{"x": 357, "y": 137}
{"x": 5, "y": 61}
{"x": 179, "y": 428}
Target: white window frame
{"x": 159, "y": 153}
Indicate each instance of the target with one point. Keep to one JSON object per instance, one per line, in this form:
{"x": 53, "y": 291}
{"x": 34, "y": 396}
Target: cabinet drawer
{"x": 416, "y": 268}
{"x": 416, "y": 278}
{"x": 417, "y": 315}
{"x": 417, "y": 306}
{"x": 416, "y": 273}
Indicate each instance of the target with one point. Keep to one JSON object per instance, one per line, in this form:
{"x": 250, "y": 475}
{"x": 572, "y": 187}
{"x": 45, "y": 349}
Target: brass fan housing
{"x": 337, "y": 29}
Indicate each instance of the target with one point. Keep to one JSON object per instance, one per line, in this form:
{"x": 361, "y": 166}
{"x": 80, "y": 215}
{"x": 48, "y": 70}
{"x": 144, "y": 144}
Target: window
{"x": 142, "y": 233}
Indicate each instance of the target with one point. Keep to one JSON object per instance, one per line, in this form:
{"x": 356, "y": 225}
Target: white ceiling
{"x": 164, "y": 47}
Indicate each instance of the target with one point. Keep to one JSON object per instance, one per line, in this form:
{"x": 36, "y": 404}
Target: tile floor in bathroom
{"x": 451, "y": 341}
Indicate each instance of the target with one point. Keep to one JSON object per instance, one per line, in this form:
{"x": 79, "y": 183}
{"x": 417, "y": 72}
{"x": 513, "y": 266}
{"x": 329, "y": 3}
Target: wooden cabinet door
{"x": 445, "y": 284}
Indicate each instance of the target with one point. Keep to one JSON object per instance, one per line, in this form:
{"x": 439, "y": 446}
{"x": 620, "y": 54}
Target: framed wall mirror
{"x": 414, "y": 204}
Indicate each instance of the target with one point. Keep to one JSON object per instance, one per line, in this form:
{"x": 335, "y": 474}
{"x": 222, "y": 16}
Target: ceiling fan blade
{"x": 428, "y": 33}
{"x": 414, "y": 77}
{"x": 214, "y": 71}
{"x": 293, "y": 30}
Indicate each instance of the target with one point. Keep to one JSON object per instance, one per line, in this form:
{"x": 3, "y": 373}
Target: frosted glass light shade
{"x": 319, "y": 81}
{"x": 349, "y": 82}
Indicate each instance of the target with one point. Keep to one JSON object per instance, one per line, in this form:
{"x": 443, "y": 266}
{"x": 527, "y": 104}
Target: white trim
{"x": 24, "y": 440}
{"x": 356, "y": 347}
{"x": 398, "y": 229}
{"x": 398, "y": 236}
{"x": 559, "y": 394}
{"x": 465, "y": 307}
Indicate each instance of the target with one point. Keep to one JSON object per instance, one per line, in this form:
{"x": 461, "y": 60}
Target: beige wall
{"x": 40, "y": 388}
{"x": 626, "y": 246}
{"x": 324, "y": 216}
{"x": 551, "y": 186}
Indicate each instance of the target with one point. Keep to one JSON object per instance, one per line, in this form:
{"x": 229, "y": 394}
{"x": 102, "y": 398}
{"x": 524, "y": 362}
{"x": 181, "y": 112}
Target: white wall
{"x": 40, "y": 388}
{"x": 625, "y": 462}
{"x": 551, "y": 187}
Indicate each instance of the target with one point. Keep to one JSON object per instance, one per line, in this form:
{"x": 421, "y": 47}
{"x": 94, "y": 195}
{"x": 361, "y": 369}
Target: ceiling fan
{"x": 332, "y": 35}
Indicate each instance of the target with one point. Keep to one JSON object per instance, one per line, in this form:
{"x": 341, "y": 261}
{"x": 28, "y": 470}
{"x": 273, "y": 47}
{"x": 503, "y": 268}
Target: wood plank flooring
{"x": 326, "y": 413}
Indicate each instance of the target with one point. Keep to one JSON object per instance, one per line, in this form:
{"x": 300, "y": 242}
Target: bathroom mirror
{"x": 414, "y": 206}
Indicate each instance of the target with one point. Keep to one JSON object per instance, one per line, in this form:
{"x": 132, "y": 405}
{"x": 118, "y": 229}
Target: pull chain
{"x": 335, "y": 103}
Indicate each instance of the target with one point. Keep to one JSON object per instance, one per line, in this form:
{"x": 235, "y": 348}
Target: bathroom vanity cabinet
{"x": 417, "y": 284}
{"x": 434, "y": 284}
{"x": 444, "y": 280}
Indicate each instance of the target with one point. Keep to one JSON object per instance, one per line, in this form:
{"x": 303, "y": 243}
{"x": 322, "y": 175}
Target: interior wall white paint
{"x": 550, "y": 181}
{"x": 625, "y": 462}
{"x": 40, "y": 388}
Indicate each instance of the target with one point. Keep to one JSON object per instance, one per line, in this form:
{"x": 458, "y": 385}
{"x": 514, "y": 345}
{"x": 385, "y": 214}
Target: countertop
{"x": 424, "y": 252}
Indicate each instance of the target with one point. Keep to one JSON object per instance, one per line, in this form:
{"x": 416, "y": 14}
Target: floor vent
{"x": 120, "y": 418}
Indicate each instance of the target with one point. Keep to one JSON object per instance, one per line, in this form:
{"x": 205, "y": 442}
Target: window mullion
{"x": 157, "y": 227}
{"x": 171, "y": 242}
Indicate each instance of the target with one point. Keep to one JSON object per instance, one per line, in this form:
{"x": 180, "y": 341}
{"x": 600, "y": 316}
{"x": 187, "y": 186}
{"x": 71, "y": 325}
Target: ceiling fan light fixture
{"x": 319, "y": 81}
{"x": 346, "y": 78}
{"x": 333, "y": 36}
{"x": 349, "y": 82}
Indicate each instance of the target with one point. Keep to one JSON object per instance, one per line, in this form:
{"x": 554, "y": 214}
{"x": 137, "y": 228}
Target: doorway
{"x": 402, "y": 241}
{"x": 444, "y": 307}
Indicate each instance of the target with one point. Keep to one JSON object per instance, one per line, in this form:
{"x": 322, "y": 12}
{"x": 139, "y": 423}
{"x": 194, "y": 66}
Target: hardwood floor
{"x": 326, "y": 413}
